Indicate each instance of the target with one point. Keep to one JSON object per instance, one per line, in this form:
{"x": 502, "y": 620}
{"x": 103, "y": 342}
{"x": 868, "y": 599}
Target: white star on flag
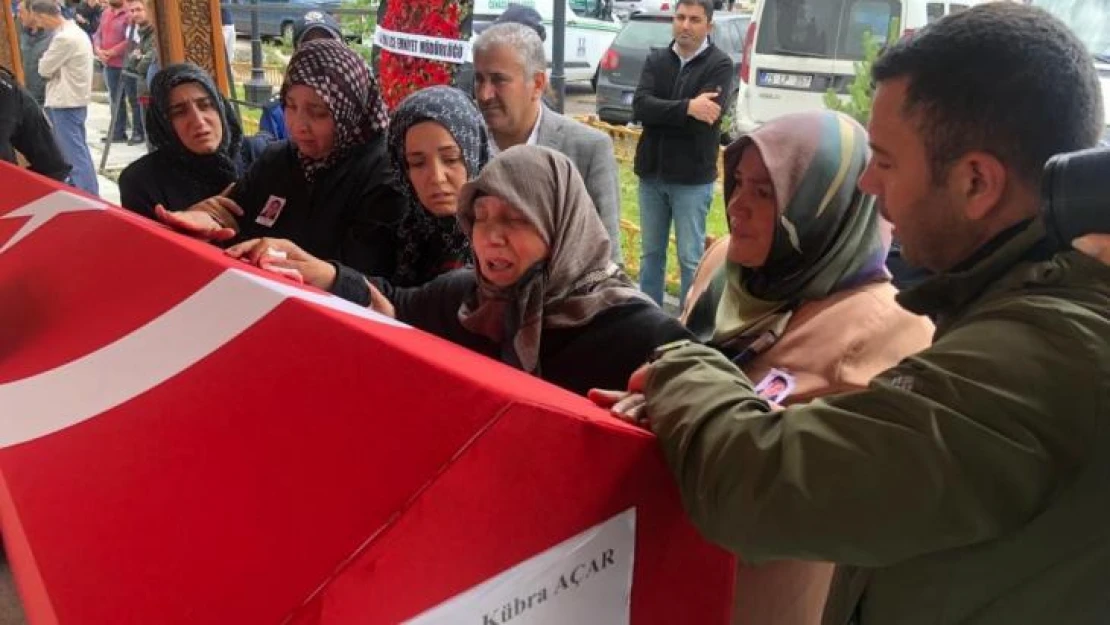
{"x": 46, "y": 208}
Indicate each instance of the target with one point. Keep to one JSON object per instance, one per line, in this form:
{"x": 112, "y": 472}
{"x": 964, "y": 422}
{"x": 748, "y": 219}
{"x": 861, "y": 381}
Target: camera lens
{"x": 1076, "y": 193}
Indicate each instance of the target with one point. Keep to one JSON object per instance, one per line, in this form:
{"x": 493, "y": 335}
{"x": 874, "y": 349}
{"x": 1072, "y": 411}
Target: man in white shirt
{"x": 67, "y": 66}
{"x": 510, "y": 78}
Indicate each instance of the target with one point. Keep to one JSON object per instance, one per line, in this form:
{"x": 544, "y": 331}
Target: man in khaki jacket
{"x": 968, "y": 484}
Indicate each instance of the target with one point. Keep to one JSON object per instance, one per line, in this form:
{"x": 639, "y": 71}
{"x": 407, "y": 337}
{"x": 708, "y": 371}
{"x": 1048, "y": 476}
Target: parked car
{"x": 1090, "y": 19}
{"x": 625, "y": 9}
{"x": 584, "y": 42}
{"x": 624, "y": 60}
{"x": 275, "y": 17}
{"x": 795, "y": 51}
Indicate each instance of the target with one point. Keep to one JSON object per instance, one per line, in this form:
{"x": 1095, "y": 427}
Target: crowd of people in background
{"x": 63, "y": 46}
{"x": 816, "y": 418}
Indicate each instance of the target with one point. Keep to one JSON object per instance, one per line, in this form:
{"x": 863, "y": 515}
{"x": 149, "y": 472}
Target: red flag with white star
{"x": 185, "y": 439}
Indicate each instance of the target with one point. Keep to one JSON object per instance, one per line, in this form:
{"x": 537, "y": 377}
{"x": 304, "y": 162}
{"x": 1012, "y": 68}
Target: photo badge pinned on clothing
{"x": 271, "y": 210}
{"x": 776, "y": 386}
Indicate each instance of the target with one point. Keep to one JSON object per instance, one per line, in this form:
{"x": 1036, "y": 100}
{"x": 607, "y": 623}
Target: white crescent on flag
{"x": 47, "y": 402}
{"x": 46, "y": 208}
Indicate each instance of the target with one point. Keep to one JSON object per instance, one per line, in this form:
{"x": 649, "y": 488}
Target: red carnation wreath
{"x": 399, "y": 74}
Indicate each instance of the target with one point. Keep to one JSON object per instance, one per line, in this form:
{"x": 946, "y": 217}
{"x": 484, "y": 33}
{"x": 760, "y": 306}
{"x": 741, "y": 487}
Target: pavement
{"x": 580, "y": 100}
{"x": 120, "y": 155}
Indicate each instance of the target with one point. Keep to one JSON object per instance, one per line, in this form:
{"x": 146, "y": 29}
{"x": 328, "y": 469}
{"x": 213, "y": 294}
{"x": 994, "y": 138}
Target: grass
{"x": 716, "y": 226}
{"x": 248, "y": 115}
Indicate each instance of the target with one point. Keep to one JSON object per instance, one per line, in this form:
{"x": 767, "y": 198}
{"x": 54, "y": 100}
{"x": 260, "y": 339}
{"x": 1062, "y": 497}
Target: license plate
{"x": 790, "y": 81}
{"x": 626, "y": 98}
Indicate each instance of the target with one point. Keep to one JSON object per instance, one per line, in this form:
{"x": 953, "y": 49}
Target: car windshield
{"x": 1090, "y": 19}
{"x": 833, "y": 29}
{"x": 587, "y": 8}
{"x": 644, "y": 34}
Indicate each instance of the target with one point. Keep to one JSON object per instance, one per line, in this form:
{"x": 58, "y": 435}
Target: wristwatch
{"x": 658, "y": 352}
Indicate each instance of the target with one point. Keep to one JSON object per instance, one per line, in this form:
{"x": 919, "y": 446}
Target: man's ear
{"x": 980, "y": 179}
{"x": 539, "y": 85}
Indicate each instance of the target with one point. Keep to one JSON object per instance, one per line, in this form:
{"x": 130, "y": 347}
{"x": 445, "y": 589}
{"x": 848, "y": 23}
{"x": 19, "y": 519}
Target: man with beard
{"x": 966, "y": 485}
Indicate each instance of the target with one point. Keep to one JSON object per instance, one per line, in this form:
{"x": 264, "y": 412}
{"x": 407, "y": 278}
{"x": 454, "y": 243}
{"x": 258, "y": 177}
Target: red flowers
{"x": 400, "y": 75}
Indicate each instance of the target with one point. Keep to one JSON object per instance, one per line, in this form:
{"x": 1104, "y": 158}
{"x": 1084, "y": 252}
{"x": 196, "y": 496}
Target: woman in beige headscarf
{"x": 543, "y": 295}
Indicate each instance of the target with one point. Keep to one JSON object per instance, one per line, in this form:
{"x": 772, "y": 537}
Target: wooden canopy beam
{"x": 9, "y": 42}
{"x": 189, "y": 31}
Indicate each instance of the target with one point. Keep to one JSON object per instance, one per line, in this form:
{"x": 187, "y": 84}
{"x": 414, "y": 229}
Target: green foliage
{"x": 365, "y": 51}
{"x": 857, "y": 104}
{"x": 277, "y": 52}
{"x": 716, "y": 226}
{"x": 360, "y": 25}
{"x": 726, "y": 127}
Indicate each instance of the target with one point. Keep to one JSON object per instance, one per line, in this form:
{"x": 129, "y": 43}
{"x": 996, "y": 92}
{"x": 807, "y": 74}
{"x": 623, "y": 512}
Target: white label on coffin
{"x": 585, "y": 579}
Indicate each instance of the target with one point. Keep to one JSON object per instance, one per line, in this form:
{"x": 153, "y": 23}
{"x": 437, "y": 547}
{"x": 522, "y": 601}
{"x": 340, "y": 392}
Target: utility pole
{"x": 258, "y": 91}
{"x": 558, "y": 54}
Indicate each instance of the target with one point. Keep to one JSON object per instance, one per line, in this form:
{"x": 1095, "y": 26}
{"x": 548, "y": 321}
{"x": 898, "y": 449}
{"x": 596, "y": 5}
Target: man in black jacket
{"x": 23, "y": 127}
{"x": 143, "y": 50}
{"x": 682, "y": 91}
{"x": 87, "y": 16}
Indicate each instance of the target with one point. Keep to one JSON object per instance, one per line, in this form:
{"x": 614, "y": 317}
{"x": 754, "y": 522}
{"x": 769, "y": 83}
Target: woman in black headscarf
{"x": 437, "y": 142}
{"x": 329, "y": 187}
{"x": 197, "y": 141}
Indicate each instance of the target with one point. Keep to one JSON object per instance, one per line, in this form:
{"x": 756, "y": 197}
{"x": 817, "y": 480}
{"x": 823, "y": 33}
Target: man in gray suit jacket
{"x": 510, "y": 78}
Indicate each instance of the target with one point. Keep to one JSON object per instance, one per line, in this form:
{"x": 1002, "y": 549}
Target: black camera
{"x": 1076, "y": 194}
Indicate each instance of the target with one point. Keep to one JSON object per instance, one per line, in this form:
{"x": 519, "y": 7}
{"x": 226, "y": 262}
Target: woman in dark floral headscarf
{"x": 329, "y": 188}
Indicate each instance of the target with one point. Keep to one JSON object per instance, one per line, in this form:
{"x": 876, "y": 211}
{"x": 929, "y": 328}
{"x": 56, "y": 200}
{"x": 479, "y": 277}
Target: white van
{"x": 586, "y": 39}
{"x": 1090, "y": 19}
{"x": 796, "y": 50}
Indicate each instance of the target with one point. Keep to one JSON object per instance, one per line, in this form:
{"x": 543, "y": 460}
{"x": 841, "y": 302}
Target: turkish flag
{"x": 185, "y": 439}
